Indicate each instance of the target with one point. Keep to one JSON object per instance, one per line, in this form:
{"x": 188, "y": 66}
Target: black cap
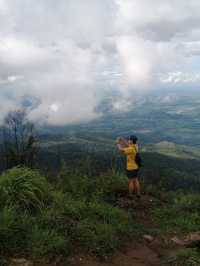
{"x": 133, "y": 138}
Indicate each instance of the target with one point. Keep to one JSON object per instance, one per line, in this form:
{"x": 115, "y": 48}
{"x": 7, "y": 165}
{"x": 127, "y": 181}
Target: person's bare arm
{"x": 121, "y": 144}
{"x": 120, "y": 148}
{"x": 124, "y": 143}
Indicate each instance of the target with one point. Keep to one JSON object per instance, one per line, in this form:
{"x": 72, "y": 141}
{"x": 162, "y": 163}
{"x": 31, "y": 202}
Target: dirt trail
{"x": 140, "y": 255}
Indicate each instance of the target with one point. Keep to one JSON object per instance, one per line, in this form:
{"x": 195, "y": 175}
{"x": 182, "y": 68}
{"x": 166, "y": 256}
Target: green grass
{"x": 77, "y": 214}
{"x": 180, "y": 214}
{"x": 40, "y": 221}
{"x": 185, "y": 257}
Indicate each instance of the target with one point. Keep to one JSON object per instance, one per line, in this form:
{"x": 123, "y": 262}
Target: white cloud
{"x": 66, "y": 54}
{"x": 180, "y": 78}
{"x": 137, "y": 58}
{"x": 54, "y": 107}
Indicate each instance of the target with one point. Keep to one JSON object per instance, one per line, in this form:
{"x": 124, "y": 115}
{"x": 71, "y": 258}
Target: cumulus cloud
{"x": 180, "y": 78}
{"x": 63, "y": 56}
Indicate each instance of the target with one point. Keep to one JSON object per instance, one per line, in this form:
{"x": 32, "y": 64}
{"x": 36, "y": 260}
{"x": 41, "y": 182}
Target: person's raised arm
{"x": 121, "y": 144}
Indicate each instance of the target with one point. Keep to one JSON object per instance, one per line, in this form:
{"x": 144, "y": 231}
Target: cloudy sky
{"x": 65, "y": 55}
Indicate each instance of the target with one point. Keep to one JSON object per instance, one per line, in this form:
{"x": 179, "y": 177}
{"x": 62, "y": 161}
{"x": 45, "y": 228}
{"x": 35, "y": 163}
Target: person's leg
{"x": 137, "y": 186}
{"x": 131, "y": 186}
{"x": 134, "y": 185}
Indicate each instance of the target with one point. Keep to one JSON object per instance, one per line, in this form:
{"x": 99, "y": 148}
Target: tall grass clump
{"x": 23, "y": 188}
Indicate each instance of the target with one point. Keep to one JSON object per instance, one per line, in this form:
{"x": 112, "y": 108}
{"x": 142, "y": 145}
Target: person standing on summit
{"x": 133, "y": 162}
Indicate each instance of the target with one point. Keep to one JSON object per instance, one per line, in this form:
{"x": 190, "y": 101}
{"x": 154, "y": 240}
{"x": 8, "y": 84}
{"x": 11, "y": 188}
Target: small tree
{"x": 19, "y": 140}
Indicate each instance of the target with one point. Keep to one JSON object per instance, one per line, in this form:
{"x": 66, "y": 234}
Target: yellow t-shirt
{"x": 130, "y": 153}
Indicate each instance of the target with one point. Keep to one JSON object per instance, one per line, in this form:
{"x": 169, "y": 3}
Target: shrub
{"x": 23, "y": 188}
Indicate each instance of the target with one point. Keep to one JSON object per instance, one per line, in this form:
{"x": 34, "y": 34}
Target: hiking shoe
{"x": 130, "y": 196}
{"x": 138, "y": 196}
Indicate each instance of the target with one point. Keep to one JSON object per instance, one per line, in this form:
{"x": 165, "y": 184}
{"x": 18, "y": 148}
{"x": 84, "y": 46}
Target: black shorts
{"x": 132, "y": 173}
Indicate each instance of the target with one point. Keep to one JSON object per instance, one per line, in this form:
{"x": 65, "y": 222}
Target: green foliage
{"x": 169, "y": 174}
{"x": 187, "y": 208}
{"x": 111, "y": 182}
{"x": 98, "y": 238}
{"x": 99, "y": 227}
{"x": 104, "y": 186}
{"x": 46, "y": 242}
{"x": 185, "y": 257}
{"x": 23, "y": 188}
{"x": 14, "y": 231}
{"x": 74, "y": 214}
{"x": 25, "y": 234}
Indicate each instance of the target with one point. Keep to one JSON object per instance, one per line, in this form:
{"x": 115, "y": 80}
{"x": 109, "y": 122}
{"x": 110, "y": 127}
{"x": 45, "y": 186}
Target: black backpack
{"x": 138, "y": 159}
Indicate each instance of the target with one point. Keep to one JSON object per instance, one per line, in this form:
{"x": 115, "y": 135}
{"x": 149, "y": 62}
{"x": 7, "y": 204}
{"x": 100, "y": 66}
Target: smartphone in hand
{"x": 121, "y": 142}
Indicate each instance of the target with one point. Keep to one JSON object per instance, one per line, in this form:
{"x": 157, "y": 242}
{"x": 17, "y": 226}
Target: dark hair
{"x": 133, "y": 139}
